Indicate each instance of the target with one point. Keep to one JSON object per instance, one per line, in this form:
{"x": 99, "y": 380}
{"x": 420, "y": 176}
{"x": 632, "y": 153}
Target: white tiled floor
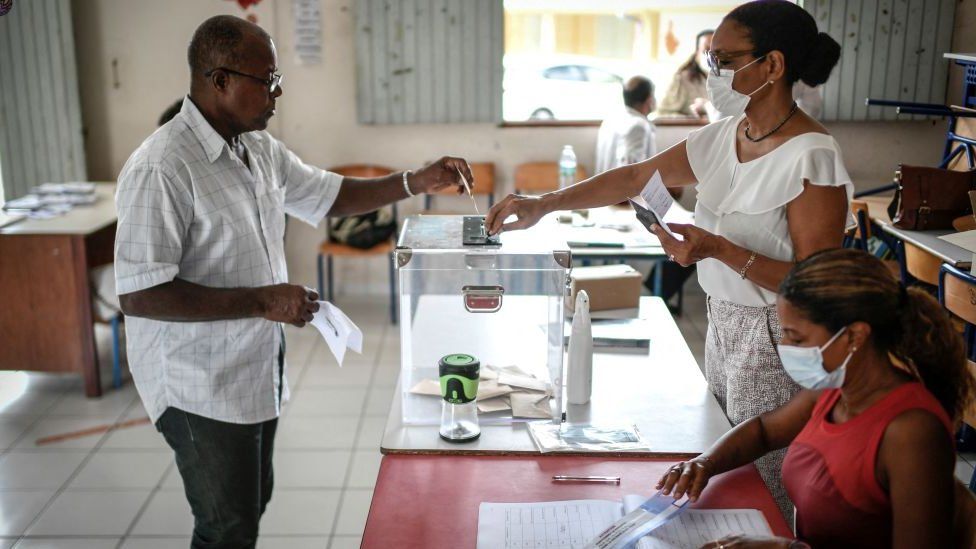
{"x": 122, "y": 490}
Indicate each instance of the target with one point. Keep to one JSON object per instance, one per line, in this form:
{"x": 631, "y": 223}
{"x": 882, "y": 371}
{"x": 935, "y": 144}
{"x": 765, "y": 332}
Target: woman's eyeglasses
{"x": 716, "y": 58}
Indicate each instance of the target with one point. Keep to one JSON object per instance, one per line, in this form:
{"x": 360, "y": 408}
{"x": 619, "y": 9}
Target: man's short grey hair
{"x": 218, "y": 41}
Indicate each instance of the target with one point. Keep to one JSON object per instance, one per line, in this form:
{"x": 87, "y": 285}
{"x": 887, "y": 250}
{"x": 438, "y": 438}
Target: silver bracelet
{"x": 752, "y": 258}
{"x": 406, "y": 187}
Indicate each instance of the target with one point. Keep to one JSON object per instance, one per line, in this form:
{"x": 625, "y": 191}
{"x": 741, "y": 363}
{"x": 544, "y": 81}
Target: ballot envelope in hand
{"x": 647, "y": 217}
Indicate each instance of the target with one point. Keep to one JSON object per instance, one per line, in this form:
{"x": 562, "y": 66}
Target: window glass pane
{"x": 567, "y": 59}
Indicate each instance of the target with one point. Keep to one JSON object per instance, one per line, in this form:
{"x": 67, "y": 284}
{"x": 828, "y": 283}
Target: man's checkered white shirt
{"x": 190, "y": 208}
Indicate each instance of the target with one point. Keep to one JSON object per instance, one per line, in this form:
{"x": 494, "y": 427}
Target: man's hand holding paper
{"x": 339, "y": 332}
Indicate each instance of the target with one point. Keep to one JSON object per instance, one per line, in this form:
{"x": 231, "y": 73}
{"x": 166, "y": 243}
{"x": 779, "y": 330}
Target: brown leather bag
{"x": 930, "y": 198}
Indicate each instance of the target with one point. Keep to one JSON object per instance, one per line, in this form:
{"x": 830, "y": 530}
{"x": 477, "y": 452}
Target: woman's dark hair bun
{"x": 786, "y": 27}
{"x": 820, "y": 60}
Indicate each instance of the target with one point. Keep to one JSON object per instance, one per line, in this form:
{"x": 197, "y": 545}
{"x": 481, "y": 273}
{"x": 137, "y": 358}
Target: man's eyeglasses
{"x": 715, "y": 58}
{"x": 272, "y": 83}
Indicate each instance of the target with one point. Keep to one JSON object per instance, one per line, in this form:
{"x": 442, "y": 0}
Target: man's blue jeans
{"x": 227, "y": 474}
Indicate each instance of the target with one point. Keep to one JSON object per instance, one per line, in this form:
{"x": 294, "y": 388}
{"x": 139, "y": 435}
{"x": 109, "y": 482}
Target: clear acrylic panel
{"x": 502, "y": 304}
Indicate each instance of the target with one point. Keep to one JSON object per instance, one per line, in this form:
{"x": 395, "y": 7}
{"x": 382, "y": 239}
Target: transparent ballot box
{"x": 498, "y": 300}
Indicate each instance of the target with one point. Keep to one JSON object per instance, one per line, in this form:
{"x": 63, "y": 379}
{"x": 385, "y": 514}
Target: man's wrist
{"x": 256, "y": 297}
{"x": 407, "y": 183}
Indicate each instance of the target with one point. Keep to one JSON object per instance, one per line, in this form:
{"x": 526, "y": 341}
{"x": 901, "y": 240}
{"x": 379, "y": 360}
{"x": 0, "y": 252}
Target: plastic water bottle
{"x": 567, "y": 167}
{"x": 579, "y": 382}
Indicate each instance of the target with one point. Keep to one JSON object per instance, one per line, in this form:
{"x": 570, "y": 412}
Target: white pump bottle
{"x": 580, "y": 371}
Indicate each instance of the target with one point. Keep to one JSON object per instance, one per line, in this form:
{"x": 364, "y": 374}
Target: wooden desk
{"x": 928, "y": 241}
{"x": 433, "y": 501}
{"x": 662, "y": 391}
{"x": 46, "y": 313}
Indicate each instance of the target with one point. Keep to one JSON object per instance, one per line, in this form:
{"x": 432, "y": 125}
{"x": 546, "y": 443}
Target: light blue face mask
{"x": 805, "y": 365}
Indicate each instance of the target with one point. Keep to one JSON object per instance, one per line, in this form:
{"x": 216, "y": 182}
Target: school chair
{"x": 106, "y": 310}
{"x": 957, "y": 293}
{"x": 329, "y": 250}
{"x": 541, "y": 177}
{"x": 857, "y": 237}
{"x": 484, "y": 185}
{"x": 917, "y": 266}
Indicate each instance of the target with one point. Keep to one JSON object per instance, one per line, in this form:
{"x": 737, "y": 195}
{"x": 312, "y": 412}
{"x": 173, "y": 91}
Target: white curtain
{"x": 40, "y": 112}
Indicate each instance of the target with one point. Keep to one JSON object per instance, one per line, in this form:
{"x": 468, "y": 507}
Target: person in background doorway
{"x": 686, "y": 95}
{"x": 627, "y": 136}
{"x": 170, "y": 112}
{"x": 809, "y": 98}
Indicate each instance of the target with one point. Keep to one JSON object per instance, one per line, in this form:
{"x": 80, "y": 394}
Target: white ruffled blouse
{"x": 745, "y": 202}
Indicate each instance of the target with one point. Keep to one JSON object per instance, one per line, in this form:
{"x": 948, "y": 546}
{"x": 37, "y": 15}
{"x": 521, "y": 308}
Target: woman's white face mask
{"x": 805, "y": 365}
{"x": 726, "y": 100}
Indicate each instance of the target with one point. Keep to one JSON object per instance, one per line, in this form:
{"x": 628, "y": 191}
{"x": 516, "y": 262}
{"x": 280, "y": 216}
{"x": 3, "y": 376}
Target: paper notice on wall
{"x": 308, "y": 31}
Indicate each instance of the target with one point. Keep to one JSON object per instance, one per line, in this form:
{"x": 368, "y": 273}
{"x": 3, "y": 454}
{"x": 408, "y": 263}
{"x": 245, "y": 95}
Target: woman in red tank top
{"x": 870, "y": 454}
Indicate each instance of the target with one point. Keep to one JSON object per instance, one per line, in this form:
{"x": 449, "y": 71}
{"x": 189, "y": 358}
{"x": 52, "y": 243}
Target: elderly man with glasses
{"x": 200, "y": 269}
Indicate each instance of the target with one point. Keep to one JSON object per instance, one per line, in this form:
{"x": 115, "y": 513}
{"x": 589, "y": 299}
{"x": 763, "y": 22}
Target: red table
{"x": 432, "y": 501}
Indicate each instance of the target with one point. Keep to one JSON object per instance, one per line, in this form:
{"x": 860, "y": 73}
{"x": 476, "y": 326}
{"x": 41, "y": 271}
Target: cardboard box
{"x": 608, "y": 286}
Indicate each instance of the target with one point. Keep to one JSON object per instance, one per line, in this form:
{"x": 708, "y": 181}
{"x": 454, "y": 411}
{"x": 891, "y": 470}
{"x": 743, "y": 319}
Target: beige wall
{"x": 317, "y": 114}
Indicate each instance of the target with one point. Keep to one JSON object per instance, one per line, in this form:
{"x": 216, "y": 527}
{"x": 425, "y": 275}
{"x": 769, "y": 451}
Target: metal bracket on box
{"x": 564, "y": 258}
{"x": 482, "y": 299}
{"x": 403, "y": 256}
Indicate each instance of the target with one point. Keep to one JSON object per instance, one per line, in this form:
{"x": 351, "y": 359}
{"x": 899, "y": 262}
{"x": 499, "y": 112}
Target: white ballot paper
{"x": 339, "y": 332}
{"x": 573, "y": 524}
{"x": 656, "y": 198}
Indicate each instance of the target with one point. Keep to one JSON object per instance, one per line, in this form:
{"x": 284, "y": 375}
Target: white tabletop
{"x": 81, "y": 220}
{"x": 634, "y": 242}
{"x": 931, "y": 243}
{"x": 662, "y": 391}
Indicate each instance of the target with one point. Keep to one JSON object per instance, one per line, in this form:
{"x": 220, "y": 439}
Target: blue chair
{"x": 957, "y": 293}
{"x": 116, "y": 323}
{"x": 957, "y": 146}
{"x": 105, "y": 311}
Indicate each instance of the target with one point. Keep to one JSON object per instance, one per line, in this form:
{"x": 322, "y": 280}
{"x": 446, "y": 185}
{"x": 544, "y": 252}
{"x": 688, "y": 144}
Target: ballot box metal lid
{"x": 443, "y": 235}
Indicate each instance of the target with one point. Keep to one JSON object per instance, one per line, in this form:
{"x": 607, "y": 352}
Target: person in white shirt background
{"x": 771, "y": 187}
{"x": 627, "y": 135}
{"x": 201, "y": 273}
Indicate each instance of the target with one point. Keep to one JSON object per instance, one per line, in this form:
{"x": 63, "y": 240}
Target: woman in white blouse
{"x": 772, "y": 189}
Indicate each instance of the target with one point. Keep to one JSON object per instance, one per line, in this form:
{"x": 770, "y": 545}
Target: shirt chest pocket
{"x": 271, "y": 206}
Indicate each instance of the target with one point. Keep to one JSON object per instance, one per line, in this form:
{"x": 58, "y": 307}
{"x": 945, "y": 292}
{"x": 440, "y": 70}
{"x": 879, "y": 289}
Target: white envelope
{"x": 655, "y": 197}
{"x": 524, "y": 382}
{"x": 429, "y": 387}
{"x": 500, "y": 404}
{"x": 340, "y": 333}
{"x": 530, "y": 405}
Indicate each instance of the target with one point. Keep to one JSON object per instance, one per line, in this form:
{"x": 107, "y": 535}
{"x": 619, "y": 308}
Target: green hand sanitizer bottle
{"x": 459, "y": 374}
